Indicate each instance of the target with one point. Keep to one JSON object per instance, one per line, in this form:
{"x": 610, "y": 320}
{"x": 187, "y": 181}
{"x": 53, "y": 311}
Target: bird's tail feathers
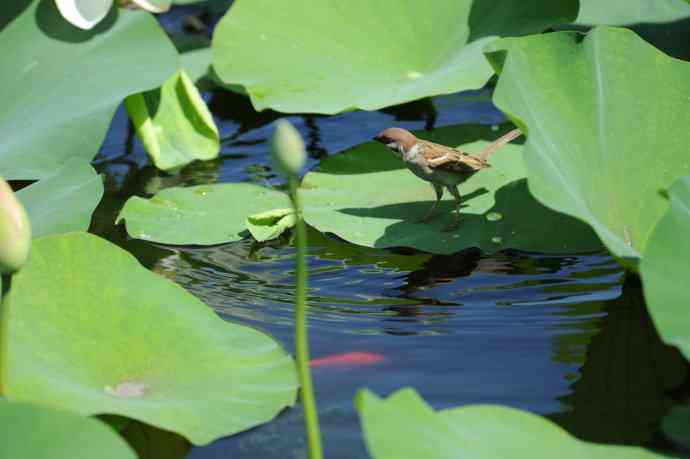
{"x": 498, "y": 143}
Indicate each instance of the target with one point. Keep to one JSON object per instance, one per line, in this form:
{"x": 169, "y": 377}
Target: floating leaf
{"x": 271, "y": 224}
{"x": 37, "y": 432}
{"x": 593, "y": 151}
{"x": 60, "y": 85}
{"x": 665, "y": 267}
{"x": 626, "y": 12}
{"x": 204, "y": 215}
{"x": 367, "y": 196}
{"x": 174, "y": 123}
{"x": 90, "y": 330}
{"x": 404, "y": 426}
{"x": 328, "y": 56}
{"x": 64, "y": 201}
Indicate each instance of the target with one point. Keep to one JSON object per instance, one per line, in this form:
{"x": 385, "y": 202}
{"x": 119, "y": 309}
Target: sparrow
{"x": 444, "y": 167}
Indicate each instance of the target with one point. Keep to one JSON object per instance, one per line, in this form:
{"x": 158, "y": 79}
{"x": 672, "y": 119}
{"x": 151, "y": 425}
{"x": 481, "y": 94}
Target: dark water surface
{"x": 566, "y": 336}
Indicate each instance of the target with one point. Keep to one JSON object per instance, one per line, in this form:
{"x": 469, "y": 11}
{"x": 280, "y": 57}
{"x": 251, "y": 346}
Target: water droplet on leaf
{"x": 494, "y": 216}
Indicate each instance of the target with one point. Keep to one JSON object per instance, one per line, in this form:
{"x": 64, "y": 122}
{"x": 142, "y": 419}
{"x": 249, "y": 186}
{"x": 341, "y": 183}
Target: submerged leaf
{"x": 60, "y": 86}
{"x": 404, "y": 426}
{"x": 174, "y": 123}
{"x": 329, "y": 56}
{"x": 204, "y": 215}
{"x": 665, "y": 267}
{"x": 84, "y": 14}
{"x": 368, "y": 197}
{"x": 126, "y": 341}
{"x": 64, "y": 201}
{"x": 270, "y": 224}
{"x": 37, "y": 432}
{"x": 593, "y": 151}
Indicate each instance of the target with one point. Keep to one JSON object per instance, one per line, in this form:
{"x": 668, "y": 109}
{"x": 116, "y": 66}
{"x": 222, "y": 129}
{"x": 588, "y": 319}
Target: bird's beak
{"x": 379, "y": 138}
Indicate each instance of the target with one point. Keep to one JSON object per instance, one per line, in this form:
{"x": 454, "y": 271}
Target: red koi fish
{"x": 348, "y": 359}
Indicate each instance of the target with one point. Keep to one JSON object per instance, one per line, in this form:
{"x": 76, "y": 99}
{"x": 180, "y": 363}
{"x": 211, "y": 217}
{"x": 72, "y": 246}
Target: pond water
{"x": 567, "y": 336}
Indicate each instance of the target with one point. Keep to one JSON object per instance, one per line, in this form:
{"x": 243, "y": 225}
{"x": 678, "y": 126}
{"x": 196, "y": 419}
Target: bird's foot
{"x": 452, "y": 226}
{"x": 426, "y": 219}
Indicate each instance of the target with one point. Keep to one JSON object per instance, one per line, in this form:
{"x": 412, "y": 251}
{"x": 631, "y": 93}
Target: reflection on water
{"x": 566, "y": 336}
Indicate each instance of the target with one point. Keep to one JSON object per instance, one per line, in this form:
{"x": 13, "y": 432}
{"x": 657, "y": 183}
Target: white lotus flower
{"x": 85, "y": 14}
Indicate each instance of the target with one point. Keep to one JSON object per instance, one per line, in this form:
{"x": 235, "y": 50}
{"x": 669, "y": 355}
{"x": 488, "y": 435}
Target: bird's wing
{"x": 441, "y": 157}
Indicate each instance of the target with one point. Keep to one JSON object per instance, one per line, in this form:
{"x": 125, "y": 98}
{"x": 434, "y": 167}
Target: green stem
{"x": 311, "y": 419}
{"x": 6, "y": 284}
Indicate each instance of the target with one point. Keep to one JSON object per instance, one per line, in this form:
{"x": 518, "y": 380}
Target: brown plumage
{"x": 442, "y": 166}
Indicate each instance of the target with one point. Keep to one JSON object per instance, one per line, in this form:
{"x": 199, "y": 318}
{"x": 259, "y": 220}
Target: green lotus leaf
{"x": 329, "y": 56}
{"x": 37, "y": 432}
{"x": 677, "y": 424}
{"x": 64, "y": 201}
{"x": 404, "y": 426}
{"x": 61, "y": 85}
{"x": 92, "y": 331}
{"x": 270, "y": 224}
{"x": 174, "y": 124}
{"x": 367, "y": 196}
{"x": 664, "y": 269}
{"x": 594, "y": 152}
{"x": 203, "y": 215}
{"x": 626, "y": 12}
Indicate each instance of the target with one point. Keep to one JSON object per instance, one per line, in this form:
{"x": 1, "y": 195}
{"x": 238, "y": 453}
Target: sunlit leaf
{"x": 270, "y": 224}
{"x": 174, "y": 123}
{"x": 91, "y": 330}
{"x": 64, "y": 201}
{"x": 368, "y": 197}
{"x": 593, "y": 151}
{"x": 37, "y": 432}
{"x": 60, "y": 85}
{"x": 665, "y": 267}
{"x": 329, "y": 56}
{"x": 204, "y": 215}
{"x": 404, "y": 426}
{"x": 624, "y": 12}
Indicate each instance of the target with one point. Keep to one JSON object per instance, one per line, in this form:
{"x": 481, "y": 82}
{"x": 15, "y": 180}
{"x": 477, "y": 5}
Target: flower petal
{"x": 84, "y": 14}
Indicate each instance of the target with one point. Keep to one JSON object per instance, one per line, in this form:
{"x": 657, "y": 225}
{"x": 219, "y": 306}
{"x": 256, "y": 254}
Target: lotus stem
{"x": 311, "y": 419}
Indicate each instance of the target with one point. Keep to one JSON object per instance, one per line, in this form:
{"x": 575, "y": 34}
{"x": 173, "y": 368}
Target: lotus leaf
{"x": 174, "y": 123}
{"x": 203, "y": 215}
{"x": 367, "y": 196}
{"x": 270, "y": 224}
{"x": 61, "y": 85}
{"x": 404, "y": 426}
{"x": 92, "y": 331}
{"x": 623, "y": 12}
{"x": 64, "y": 201}
{"x": 665, "y": 267}
{"x": 329, "y": 56}
{"x": 594, "y": 151}
{"x": 36, "y": 432}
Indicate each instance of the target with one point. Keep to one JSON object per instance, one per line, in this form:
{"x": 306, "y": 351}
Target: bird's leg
{"x": 456, "y": 219}
{"x": 439, "y": 194}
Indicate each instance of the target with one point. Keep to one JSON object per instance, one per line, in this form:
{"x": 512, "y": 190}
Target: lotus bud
{"x": 15, "y": 231}
{"x": 287, "y": 149}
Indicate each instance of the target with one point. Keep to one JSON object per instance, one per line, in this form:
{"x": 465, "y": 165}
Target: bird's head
{"x": 397, "y": 139}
